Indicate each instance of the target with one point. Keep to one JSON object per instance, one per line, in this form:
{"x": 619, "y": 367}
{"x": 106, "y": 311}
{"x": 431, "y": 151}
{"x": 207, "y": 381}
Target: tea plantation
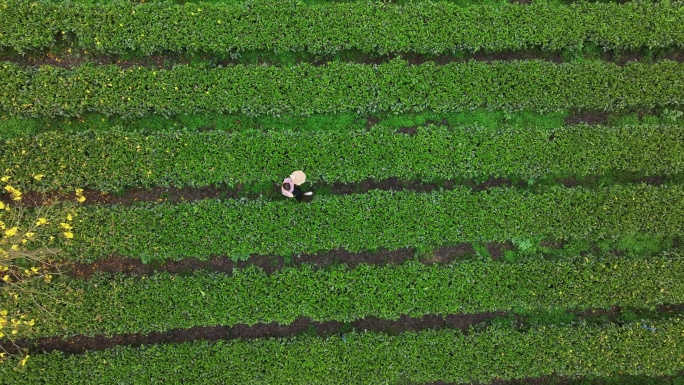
{"x": 498, "y": 191}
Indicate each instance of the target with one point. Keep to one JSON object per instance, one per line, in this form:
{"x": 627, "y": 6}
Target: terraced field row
{"x": 141, "y": 304}
{"x": 421, "y": 27}
{"x": 116, "y": 159}
{"x": 553, "y": 248}
{"x": 378, "y": 219}
{"x": 338, "y": 87}
{"x": 359, "y": 357}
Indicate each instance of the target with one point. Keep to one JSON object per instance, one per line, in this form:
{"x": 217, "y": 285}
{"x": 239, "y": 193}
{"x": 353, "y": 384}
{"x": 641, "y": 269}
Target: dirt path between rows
{"x": 467, "y": 323}
{"x": 61, "y": 57}
{"x": 188, "y": 194}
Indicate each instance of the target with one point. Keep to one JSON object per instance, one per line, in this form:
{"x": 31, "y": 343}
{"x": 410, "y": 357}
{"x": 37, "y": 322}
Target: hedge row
{"x": 14, "y": 126}
{"x": 306, "y": 89}
{"x": 378, "y": 219}
{"x": 119, "y": 159}
{"x": 281, "y": 26}
{"x": 116, "y": 304}
{"x": 421, "y": 357}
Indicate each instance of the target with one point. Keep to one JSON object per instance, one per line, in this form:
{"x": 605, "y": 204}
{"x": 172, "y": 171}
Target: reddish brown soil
{"x": 410, "y": 131}
{"x": 447, "y": 254}
{"x": 611, "y": 313}
{"x": 552, "y": 243}
{"x": 677, "y": 56}
{"x": 80, "y": 344}
{"x": 272, "y": 263}
{"x": 371, "y": 121}
{"x": 393, "y": 184}
{"x": 483, "y": 56}
{"x": 497, "y": 250}
{"x": 587, "y": 117}
{"x": 269, "y": 263}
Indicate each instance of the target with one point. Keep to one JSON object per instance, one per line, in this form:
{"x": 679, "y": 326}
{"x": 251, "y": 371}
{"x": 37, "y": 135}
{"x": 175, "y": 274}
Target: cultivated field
{"x": 498, "y": 192}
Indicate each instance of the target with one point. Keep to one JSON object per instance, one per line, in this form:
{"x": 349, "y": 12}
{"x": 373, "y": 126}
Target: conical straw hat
{"x": 298, "y": 177}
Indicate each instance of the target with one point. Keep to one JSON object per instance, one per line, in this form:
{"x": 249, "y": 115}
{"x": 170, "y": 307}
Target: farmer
{"x": 290, "y": 187}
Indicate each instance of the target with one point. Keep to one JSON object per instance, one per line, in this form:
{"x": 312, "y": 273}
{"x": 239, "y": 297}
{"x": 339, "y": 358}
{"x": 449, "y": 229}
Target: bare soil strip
{"x": 80, "y": 344}
{"x": 189, "y": 194}
{"x": 270, "y": 264}
{"x": 65, "y": 59}
{"x": 305, "y": 326}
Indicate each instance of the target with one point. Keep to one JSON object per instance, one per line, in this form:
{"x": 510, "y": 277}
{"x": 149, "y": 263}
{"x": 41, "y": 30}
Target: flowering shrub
{"x": 27, "y": 252}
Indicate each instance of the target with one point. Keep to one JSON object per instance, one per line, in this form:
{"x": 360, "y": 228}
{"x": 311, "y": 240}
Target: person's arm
{"x": 287, "y": 193}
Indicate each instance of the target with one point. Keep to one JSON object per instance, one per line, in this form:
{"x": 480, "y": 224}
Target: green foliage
{"x": 422, "y": 357}
{"x": 526, "y": 246}
{"x": 137, "y": 304}
{"x": 328, "y": 28}
{"x": 643, "y": 245}
{"x": 395, "y": 86}
{"x": 13, "y": 126}
{"x": 390, "y": 220}
{"x": 119, "y": 159}
{"x": 552, "y": 316}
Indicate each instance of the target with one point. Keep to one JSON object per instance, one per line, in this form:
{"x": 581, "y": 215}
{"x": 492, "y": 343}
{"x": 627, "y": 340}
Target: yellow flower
{"x": 41, "y": 221}
{"x": 38, "y": 176}
{"x": 3, "y": 313}
{"x": 69, "y": 217}
{"x": 2, "y": 225}
{"x": 79, "y": 191}
{"x": 23, "y": 361}
{"x": 29, "y": 235}
{"x": 16, "y": 194}
{"x": 65, "y": 226}
{"x": 81, "y": 199}
{"x": 2, "y": 205}
{"x": 14, "y": 248}
{"x": 6, "y": 278}
{"x": 2, "y": 335}
{"x": 34, "y": 269}
{"x": 5, "y": 178}
{"x": 11, "y": 232}
{"x": 68, "y": 234}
